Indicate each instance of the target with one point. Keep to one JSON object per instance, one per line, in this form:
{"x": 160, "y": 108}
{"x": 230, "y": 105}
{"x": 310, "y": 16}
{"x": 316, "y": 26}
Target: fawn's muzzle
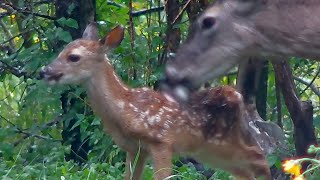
{"x": 49, "y": 75}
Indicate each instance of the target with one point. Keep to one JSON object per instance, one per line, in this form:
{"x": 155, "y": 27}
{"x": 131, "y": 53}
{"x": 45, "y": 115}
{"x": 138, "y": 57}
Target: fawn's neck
{"x": 107, "y": 93}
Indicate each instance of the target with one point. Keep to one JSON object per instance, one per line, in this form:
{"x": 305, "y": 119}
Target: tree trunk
{"x": 83, "y": 13}
{"x": 173, "y": 35}
{"x": 301, "y": 112}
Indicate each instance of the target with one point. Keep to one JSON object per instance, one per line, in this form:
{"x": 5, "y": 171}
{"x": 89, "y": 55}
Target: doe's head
{"x": 219, "y": 38}
{"x": 80, "y": 58}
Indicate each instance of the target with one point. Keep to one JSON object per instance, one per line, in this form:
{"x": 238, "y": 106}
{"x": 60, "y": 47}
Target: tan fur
{"x": 212, "y": 128}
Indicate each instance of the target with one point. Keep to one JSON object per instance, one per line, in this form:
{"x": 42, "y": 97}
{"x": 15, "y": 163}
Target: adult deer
{"x": 230, "y": 31}
{"x": 211, "y": 128}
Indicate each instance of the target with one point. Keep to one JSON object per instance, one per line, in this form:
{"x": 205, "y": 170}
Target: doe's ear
{"x": 91, "y": 32}
{"x": 113, "y": 38}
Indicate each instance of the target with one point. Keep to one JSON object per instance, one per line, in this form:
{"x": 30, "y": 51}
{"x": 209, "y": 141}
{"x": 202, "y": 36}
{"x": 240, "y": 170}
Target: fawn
{"x": 211, "y": 128}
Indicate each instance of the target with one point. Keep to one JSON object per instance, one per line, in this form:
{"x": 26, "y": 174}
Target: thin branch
{"x": 28, "y": 134}
{"x": 14, "y": 88}
{"x": 12, "y": 37}
{"x": 140, "y": 12}
{"x": 182, "y": 10}
{"x": 308, "y": 84}
{"x": 43, "y": 2}
{"x": 13, "y": 10}
{"x": 114, "y": 4}
{"x": 8, "y": 33}
{"x": 7, "y": 120}
{"x": 147, "y": 11}
{"x": 14, "y": 70}
{"x": 279, "y": 103}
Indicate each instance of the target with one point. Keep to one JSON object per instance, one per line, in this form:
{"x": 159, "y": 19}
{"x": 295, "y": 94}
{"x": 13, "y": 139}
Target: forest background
{"x": 51, "y": 132}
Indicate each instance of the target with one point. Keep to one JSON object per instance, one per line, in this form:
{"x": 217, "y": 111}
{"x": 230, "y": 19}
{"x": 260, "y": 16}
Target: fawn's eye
{"x": 208, "y": 22}
{"x": 73, "y": 58}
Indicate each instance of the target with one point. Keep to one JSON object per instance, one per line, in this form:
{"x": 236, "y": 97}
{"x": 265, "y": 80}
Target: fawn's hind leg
{"x": 161, "y": 156}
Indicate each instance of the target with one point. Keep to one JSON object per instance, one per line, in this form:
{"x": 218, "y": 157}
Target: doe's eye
{"x": 73, "y": 58}
{"x": 208, "y": 22}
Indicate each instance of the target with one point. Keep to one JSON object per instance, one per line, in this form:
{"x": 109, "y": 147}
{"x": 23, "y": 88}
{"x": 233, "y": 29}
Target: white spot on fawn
{"x": 121, "y": 104}
{"x": 146, "y": 125}
{"x": 167, "y": 109}
{"x": 152, "y": 120}
{"x": 134, "y": 107}
{"x": 169, "y": 98}
{"x": 166, "y": 125}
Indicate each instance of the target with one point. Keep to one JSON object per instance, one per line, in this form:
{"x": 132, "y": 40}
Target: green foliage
{"x": 31, "y": 114}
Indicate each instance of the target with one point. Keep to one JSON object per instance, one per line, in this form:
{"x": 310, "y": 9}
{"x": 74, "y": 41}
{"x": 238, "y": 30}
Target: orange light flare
{"x": 293, "y": 167}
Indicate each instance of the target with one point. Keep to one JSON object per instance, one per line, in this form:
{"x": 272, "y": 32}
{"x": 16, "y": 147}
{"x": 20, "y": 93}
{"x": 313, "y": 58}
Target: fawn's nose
{"x": 49, "y": 74}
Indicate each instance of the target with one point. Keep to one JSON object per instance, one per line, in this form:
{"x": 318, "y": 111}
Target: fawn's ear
{"x": 113, "y": 38}
{"x": 91, "y": 32}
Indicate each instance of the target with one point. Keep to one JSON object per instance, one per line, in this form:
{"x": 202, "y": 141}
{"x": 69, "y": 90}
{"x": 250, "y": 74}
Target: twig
{"x": 147, "y": 11}
{"x": 7, "y": 120}
{"x": 14, "y": 70}
{"x": 310, "y": 84}
{"x": 43, "y": 2}
{"x": 14, "y": 88}
{"x": 182, "y": 10}
{"x": 14, "y": 10}
{"x": 12, "y": 37}
{"x": 27, "y": 134}
{"x": 132, "y": 39}
{"x": 279, "y": 103}
{"x": 8, "y": 33}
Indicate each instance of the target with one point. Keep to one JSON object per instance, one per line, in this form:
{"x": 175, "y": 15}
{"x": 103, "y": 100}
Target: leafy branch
{"x": 26, "y": 134}
{"x": 14, "y": 10}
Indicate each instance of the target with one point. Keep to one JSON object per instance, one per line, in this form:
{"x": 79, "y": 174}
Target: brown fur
{"x": 211, "y": 128}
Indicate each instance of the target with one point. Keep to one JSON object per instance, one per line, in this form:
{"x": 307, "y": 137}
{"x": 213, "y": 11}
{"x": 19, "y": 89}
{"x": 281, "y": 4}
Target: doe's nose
{"x": 176, "y": 90}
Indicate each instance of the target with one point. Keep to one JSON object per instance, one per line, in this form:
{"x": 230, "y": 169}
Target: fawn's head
{"x": 80, "y": 58}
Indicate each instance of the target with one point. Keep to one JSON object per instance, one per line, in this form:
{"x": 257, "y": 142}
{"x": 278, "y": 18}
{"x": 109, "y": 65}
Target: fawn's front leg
{"x": 161, "y": 157}
{"x": 137, "y": 168}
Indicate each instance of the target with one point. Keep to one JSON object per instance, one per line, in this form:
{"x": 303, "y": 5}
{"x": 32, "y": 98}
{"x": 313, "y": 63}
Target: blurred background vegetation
{"x": 51, "y": 132}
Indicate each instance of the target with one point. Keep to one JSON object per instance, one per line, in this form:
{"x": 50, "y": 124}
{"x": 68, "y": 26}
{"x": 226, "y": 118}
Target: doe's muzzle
{"x": 178, "y": 89}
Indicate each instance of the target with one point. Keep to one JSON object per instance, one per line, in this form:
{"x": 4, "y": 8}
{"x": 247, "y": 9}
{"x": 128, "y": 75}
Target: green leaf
{"x": 63, "y": 35}
{"x": 80, "y": 117}
{"x": 68, "y": 22}
{"x": 72, "y": 23}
